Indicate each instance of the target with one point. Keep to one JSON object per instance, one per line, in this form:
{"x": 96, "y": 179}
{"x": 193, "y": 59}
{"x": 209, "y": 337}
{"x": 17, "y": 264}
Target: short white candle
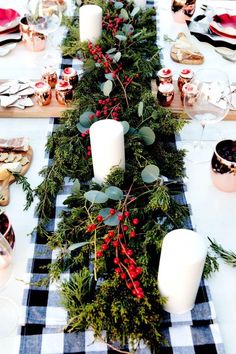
{"x": 107, "y": 146}
{"x": 140, "y": 3}
{"x": 182, "y": 260}
{"x": 90, "y": 23}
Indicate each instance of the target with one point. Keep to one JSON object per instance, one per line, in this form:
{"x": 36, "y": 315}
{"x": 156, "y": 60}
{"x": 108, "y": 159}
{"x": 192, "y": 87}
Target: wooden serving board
{"x": 54, "y": 109}
{"x": 177, "y": 106}
{"x": 5, "y": 184}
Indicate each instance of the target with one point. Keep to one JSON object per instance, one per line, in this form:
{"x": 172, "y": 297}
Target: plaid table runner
{"x": 43, "y": 317}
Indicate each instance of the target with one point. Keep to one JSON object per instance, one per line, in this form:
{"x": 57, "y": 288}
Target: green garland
{"x": 118, "y": 227}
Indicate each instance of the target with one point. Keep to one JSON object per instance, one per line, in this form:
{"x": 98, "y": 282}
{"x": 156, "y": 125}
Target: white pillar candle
{"x": 182, "y": 260}
{"x": 90, "y": 23}
{"x": 107, "y": 146}
{"x": 140, "y": 3}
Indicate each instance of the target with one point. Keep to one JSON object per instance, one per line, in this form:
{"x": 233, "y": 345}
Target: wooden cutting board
{"x": 177, "y": 105}
{"x": 5, "y": 183}
{"x": 54, "y": 109}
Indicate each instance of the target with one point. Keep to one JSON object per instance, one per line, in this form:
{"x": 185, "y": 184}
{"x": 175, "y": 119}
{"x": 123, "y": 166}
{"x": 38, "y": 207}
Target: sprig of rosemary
{"x": 229, "y": 257}
{"x": 26, "y": 187}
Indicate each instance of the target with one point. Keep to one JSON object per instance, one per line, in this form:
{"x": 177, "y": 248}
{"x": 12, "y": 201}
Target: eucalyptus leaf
{"x": 95, "y": 196}
{"x": 124, "y": 14}
{"x": 109, "y": 220}
{"x": 117, "y": 57}
{"x": 109, "y": 76}
{"x": 84, "y": 119}
{"x": 126, "y": 126}
{"x": 135, "y": 11}
{"x": 74, "y": 246}
{"x": 148, "y": 135}
{"x": 107, "y": 88}
{"x": 128, "y": 29}
{"x": 150, "y": 174}
{"x": 76, "y": 187}
{"x": 140, "y": 109}
{"x": 118, "y": 5}
{"x": 114, "y": 193}
{"x": 112, "y": 50}
{"x": 81, "y": 128}
{"x": 121, "y": 37}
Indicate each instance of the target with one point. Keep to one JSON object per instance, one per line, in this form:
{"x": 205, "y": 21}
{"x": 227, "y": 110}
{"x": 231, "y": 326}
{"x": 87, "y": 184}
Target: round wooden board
{"x": 5, "y": 184}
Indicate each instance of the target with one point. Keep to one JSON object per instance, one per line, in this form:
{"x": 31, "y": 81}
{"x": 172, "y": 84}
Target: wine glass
{"x": 207, "y": 99}
{"x": 8, "y": 309}
{"x": 44, "y": 16}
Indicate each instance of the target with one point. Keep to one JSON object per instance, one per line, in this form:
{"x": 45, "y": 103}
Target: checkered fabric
{"x": 43, "y": 317}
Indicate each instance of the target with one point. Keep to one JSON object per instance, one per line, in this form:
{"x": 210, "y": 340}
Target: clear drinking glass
{"x": 207, "y": 99}
{"x": 45, "y": 17}
{"x": 8, "y": 309}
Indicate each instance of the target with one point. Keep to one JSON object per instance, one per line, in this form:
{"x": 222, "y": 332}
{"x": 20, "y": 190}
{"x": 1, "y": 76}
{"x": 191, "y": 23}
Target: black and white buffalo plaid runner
{"x": 43, "y": 318}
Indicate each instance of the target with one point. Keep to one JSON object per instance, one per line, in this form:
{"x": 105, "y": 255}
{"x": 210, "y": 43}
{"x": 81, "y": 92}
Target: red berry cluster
{"x": 104, "y": 59}
{"x": 126, "y": 267}
{"x": 84, "y": 136}
{"x": 112, "y": 24}
{"x": 108, "y": 107}
{"x": 128, "y": 80}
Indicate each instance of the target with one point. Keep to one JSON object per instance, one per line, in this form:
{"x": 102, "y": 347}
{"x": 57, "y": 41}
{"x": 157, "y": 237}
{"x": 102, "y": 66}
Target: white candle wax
{"x": 182, "y": 260}
{"x": 90, "y": 23}
{"x": 107, "y": 146}
{"x": 140, "y": 3}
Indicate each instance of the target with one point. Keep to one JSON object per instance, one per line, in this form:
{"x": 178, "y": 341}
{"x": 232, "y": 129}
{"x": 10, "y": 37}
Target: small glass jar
{"x": 164, "y": 75}
{"x": 70, "y": 75}
{"x": 43, "y": 93}
{"x": 64, "y": 93}
{"x": 49, "y": 75}
{"x": 165, "y": 94}
{"x": 185, "y": 76}
{"x": 189, "y": 93}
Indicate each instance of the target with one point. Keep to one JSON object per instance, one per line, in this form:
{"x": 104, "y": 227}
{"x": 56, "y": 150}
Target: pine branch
{"x": 22, "y": 180}
{"x": 229, "y": 257}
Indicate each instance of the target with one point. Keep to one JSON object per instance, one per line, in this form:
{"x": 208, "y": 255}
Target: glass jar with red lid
{"x": 64, "y": 93}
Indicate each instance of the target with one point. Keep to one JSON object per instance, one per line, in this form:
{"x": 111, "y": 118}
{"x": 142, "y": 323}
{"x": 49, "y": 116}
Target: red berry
{"x": 133, "y": 275}
{"x": 88, "y": 153}
{"x": 134, "y": 292}
{"x": 117, "y": 270}
{"x": 135, "y": 221}
{"x": 136, "y": 283}
{"x": 132, "y": 234}
{"x": 129, "y": 252}
{"x": 107, "y": 240}
{"x": 121, "y": 217}
{"x": 99, "y": 254}
{"x": 131, "y": 268}
{"x": 115, "y": 243}
{"x": 104, "y": 247}
{"x": 125, "y": 227}
{"x": 123, "y": 276}
{"x": 126, "y": 260}
{"x": 129, "y": 285}
{"x": 112, "y": 212}
{"x": 140, "y": 295}
{"x": 99, "y": 218}
{"x": 126, "y": 213}
{"x": 111, "y": 233}
{"x": 116, "y": 260}
{"x": 121, "y": 236}
{"x": 139, "y": 270}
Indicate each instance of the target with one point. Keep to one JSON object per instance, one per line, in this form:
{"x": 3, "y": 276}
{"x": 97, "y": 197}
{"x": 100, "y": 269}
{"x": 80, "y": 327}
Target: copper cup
{"x": 33, "y": 41}
{"x": 183, "y": 10}
{"x": 223, "y": 166}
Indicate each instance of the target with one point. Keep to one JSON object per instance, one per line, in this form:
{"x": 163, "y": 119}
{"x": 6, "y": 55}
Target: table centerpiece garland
{"x": 110, "y": 235}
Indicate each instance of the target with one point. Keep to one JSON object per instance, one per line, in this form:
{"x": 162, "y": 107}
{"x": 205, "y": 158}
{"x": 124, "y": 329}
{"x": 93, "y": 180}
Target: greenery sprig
{"x": 229, "y": 257}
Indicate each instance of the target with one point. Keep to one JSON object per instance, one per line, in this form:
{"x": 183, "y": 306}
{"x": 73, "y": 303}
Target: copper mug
{"x": 33, "y": 41}
{"x": 183, "y": 10}
{"x": 223, "y": 166}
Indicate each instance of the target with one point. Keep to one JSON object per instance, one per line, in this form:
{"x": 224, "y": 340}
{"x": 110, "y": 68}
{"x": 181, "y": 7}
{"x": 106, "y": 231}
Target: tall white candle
{"x": 107, "y": 146}
{"x": 90, "y": 23}
{"x": 140, "y": 3}
{"x": 182, "y": 260}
